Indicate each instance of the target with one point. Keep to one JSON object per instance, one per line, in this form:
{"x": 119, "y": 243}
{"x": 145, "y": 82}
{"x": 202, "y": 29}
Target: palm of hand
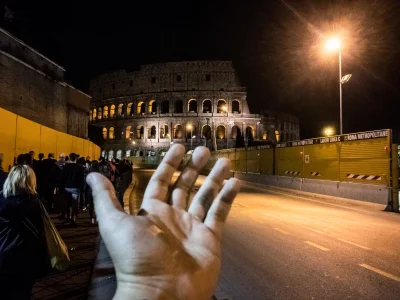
{"x": 165, "y": 250}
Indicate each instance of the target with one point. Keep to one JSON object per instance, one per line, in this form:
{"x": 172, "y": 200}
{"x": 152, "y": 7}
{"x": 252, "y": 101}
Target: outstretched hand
{"x": 169, "y": 250}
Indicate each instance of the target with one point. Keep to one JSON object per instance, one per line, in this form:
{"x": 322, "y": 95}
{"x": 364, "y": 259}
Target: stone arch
{"x": 119, "y": 155}
{"x": 129, "y": 132}
{"x": 164, "y": 131}
{"x": 178, "y": 107}
{"x": 105, "y": 112}
{"x": 111, "y": 135}
{"x": 105, "y": 133}
{"x": 235, "y": 107}
{"x": 235, "y": 132}
{"x": 121, "y": 112}
{"x": 141, "y": 108}
{"x": 207, "y": 106}
{"x": 128, "y": 153}
{"x": 192, "y": 105}
{"x": 129, "y": 109}
{"x": 190, "y": 131}
{"x": 94, "y": 114}
{"x": 152, "y": 107}
{"x": 221, "y": 106}
{"x": 99, "y": 113}
{"x": 152, "y": 132}
{"x": 206, "y": 132}
{"x": 140, "y": 132}
{"x": 110, "y": 154}
{"x": 220, "y": 132}
{"x": 178, "y": 131}
{"x": 165, "y": 107}
{"x": 112, "y": 111}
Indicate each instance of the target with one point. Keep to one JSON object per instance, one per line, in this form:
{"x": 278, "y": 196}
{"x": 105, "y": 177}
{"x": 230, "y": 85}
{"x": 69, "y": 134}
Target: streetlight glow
{"x": 333, "y": 44}
{"x": 189, "y": 126}
{"x": 329, "y": 131}
{"x": 133, "y": 142}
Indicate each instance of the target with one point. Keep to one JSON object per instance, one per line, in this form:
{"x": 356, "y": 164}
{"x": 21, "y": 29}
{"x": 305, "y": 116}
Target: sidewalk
{"x": 82, "y": 242}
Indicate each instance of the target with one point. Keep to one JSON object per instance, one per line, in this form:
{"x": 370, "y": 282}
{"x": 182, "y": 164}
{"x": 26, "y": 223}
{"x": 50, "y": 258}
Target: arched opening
{"x": 129, "y": 110}
{"x": 140, "y": 132}
{"x": 207, "y": 106}
{"x": 165, "y": 107}
{"x": 153, "y": 107}
{"x": 221, "y": 132}
{"x": 90, "y": 115}
{"x": 110, "y": 155}
{"x": 277, "y": 136}
{"x": 105, "y": 133}
{"x": 164, "y": 132}
{"x": 235, "y": 131}
{"x": 206, "y": 132}
{"x": 178, "y": 107}
{"x": 94, "y": 114}
{"x": 111, "y": 133}
{"x": 221, "y": 106}
{"x": 141, "y": 108}
{"x": 129, "y": 132}
{"x": 112, "y": 111}
{"x": 152, "y": 134}
{"x": 121, "y": 112}
{"x": 99, "y": 113}
{"x": 141, "y": 153}
{"x": 192, "y": 105}
{"x": 190, "y": 131}
{"x": 105, "y": 112}
{"x": 265, "y": 136}
{"x": 119, "y": 154}
{"x": 103, "y": 153}
{"x": 178, "y": 132}
{"x": 128, "y": 153}
{"x": 250, "y": 132}
{"x": 235, "y": 107}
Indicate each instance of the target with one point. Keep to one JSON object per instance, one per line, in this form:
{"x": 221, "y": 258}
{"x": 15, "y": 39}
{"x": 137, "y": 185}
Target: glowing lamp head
{"x": 189, "y": 127}
{"x": 328, "y": 131}
{"x": 333, "y": 44}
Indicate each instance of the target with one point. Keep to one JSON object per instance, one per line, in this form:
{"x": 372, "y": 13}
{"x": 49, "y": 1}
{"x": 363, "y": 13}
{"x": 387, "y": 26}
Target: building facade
{"x": 33, "y": 86}
{"x": 193, "y": 103}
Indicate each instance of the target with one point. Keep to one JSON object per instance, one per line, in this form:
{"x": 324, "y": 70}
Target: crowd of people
{"x": 60, "y": 187}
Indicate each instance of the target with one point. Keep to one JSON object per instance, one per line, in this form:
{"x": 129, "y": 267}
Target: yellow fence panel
{"x": 86, "y": 151}
{"x": 28, "y": 136}
{"x": 368, "y": 159}
{"x": 253, "y": 161}
{"x": 8, "y": 131}
{"x": 321, "y": 161}
{"x": 267, "y": 161}
{"x": 289, "y": 161}
{"x": 77, "y": 145}
{"x": 64, "y": 143}
{"x": 48, "y": 140}
{"x": 240, "y": 160}
{"x": 232, "y": 158}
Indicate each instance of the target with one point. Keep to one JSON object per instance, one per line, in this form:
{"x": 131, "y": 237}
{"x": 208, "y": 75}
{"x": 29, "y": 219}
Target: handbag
{"x": 56, "y": 247}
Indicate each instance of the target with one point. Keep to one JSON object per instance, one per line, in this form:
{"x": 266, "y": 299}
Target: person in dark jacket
{"x": 72, "y": 180}
{"x": 50, "y": 177}
{"x": 94, "y": 167}
{"x": 23, "y": 250}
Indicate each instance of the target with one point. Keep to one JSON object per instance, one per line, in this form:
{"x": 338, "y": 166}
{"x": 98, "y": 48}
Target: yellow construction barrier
{"x": 289, "y": 161}
{"x": 20, "y": 135}
{"x": 321, "y": 161}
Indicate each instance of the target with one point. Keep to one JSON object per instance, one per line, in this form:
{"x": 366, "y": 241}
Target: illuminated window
{"x": 111, "y": 133}
{"x": 94, "y": 114}
{"x": 105, "y": 133}
{"x": 129, "y": 109}
{"x": 105, "y": 112}
{"x": 277, "y": 136}
{"x": 178, "y": 132}
{"x": 265, "y": 136}
{"x": 220, "y": 132}
{"x": 164, "y": 132}
{"x": 99, "y": 113}
{"x": 235, "y": 107}
{"x": 207, "y": 106}
{"x": 192, "y": 105}
{"x": 141, "y": 108}
{"x": 140, "y": 132}
{"x": 90, "y": 115}
{"x": 121, "y": 109}
{"x": 235, "y": 132}
{"x": 128, "y": 132}
{"x": 152, "y": 106}
{"x": 221, "y": 107}
{"x": 152, "y": 131}
{"x": 112, "y": 111}
{"x": 128, "y": 153}
{"x": 119, "y": 154}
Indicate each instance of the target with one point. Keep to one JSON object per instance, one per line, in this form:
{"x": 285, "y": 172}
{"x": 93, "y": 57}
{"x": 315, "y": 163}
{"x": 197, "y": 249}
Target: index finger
{"x": 161, "y": 179}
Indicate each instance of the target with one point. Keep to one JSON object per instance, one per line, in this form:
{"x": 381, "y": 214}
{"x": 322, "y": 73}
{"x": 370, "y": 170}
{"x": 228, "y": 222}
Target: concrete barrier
{"x": 355, "y": 191}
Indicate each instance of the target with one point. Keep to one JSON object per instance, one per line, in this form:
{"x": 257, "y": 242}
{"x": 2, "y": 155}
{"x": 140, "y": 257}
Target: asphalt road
{"x": 277, "y": 245}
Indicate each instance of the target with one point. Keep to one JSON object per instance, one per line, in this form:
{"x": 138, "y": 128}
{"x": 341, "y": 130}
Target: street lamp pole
{"x": 340, "y": 93}
{"x": 191, "y": 138}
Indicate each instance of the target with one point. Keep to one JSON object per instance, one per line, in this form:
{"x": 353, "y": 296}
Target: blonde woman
{"x": 23, "y": 251}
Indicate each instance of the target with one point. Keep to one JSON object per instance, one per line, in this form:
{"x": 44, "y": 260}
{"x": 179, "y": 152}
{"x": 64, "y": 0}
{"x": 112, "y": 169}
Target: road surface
{"x": 277, "y": 245}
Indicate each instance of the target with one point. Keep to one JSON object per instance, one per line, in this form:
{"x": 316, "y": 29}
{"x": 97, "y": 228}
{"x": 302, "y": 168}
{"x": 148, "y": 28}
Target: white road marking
{"x": 383, "y": 273}
{"x": 281, "y": 231}
{"x": 316, "y": 246}
{"x": 355, "y": 244}
{"x": 312, "y": 229}
{"x": 308, "y": 199}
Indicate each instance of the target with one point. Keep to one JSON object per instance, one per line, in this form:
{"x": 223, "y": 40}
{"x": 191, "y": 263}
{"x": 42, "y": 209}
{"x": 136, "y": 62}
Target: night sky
{"x": 276, "y": 47}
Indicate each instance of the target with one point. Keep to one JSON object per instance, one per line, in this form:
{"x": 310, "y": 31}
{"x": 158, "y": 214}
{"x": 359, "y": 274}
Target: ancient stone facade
{"x": 33, "y": 87}
{"x": 192, "y": 103}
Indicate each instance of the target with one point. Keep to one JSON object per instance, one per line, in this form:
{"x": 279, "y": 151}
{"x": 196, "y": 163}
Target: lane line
{"x": 354, "y": 244}
{"x": 312, "y": 229}
{"x": 281, "y": 230}
{"x": 383, "y": 273}
{"x": 307, "y": 199}
{"x": 316, "y": 246}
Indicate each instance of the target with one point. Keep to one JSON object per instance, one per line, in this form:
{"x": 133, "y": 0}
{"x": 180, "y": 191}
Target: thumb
{"x": 105, "y": 202}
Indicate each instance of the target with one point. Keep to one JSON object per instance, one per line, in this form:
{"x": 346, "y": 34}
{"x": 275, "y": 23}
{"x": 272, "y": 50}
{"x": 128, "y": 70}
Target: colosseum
{"x": 193, "y": 103}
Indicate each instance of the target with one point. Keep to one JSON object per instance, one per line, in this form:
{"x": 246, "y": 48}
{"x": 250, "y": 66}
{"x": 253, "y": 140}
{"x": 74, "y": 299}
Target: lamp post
{"x": 191, "y": 137}
{"x": 334, "y": 44}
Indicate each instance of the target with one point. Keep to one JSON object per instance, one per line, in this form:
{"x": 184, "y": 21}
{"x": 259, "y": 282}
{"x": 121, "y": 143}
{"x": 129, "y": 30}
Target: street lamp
{"x": 191, "y": 137}
{"x": 329, "y": 131}
{"x": 333, "y": 44}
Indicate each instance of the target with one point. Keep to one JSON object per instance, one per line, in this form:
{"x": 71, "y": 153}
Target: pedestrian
{"x": 61, "y": 162}
{"x": 114, "y": 172}
{"x": 72, "y": 179}
{"x": 105, "y": 168}
{"x": 82, "y": 199}
{"x": 41, "y": 181}
{"x": 28, "y": 159}
{"x": 94, "y": 167}
{"x": 23, "y": 249}
{"x": 51, "y": 176}
{"x": 32, "y": 155}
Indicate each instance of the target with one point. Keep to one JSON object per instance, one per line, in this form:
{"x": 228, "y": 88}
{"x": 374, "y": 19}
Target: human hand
{"x": 166, "y": 251}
